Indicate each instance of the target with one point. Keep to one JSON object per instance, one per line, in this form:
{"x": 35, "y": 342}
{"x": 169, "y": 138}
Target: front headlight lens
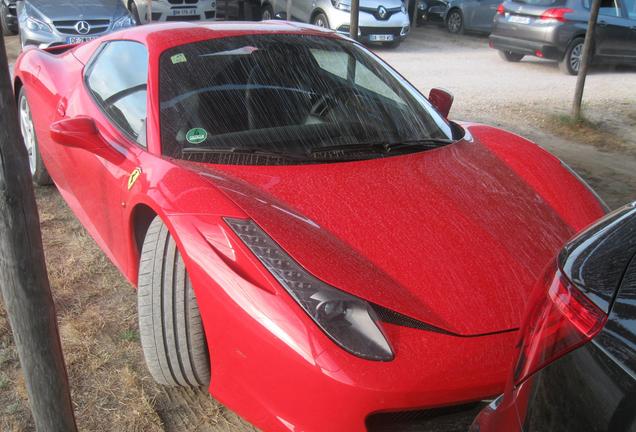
{"x": 123, "y": 22}
{"x": 37, "y": 25}
{"x": 338, "y": 4}
{"x": 347, "y": 320}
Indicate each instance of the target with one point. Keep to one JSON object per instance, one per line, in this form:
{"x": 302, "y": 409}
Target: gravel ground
{"x": 520, "y": 97}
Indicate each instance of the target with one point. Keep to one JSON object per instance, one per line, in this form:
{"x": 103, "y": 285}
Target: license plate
{"x": 79, "y": 39}
{"x": 184, "y": 12}
{"x": 381, "y": 38}
{"x": 519, "y": 19}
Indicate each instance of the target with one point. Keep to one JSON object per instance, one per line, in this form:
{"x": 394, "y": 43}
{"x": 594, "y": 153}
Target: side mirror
{"x": 80, "y": 132}
{"x": 441, "y": 100}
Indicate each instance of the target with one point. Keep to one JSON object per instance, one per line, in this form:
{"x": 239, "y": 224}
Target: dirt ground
{"x": 97, "y": 309}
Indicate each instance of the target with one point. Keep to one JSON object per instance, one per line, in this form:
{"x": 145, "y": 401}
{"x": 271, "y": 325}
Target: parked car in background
{"x": 172, "y": 10}
{"x": 555, "y": 30}
{"x": 243, "y": 10}
{"x": 471, "y": 15}
{"x": 211, "y": 161}
{"x": 431, "y": 10}
{"x": 381, "y": 21}
{"x": 8, "y": 17}
{"x": 48, "y": 23}
{"x": 576, "y": 366}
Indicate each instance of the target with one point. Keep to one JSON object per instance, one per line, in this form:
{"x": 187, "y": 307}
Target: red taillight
{"x": 557, "y": 14}
{"x": 500, "y": 9}
{"x": 559, "y": 319}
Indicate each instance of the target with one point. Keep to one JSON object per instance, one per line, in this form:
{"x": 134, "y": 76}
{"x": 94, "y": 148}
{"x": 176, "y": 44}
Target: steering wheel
{"x": 344, "y": 98}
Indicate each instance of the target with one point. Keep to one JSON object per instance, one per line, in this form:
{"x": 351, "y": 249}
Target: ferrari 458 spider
{"x": 310, "y": 236}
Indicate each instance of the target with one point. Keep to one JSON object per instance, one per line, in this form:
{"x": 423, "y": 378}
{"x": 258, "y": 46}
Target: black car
{"x": 555, "y": 29}
{"x": 576, "y": 369}
{"x": 8, "y": 17}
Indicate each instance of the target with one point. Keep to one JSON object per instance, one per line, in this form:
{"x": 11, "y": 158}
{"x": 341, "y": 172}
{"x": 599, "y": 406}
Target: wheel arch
{"x": 453, "y": 9}
{"x": 315, "y": 12}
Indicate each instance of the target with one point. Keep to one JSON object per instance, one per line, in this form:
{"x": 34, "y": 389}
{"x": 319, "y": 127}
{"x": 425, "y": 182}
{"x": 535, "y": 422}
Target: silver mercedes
{"x": 47, "y": 23}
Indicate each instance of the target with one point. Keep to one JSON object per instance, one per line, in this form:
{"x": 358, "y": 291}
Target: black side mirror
{"x": 441, "y": 100}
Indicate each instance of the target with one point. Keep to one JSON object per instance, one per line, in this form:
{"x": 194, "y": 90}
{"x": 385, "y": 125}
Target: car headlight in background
{"x": 348, "y": 320}
{"x": 421, "y": 5}
{"x": 37, "y": 25}
{"x": 123, "y": 22}
{"x": 338, "y": 4}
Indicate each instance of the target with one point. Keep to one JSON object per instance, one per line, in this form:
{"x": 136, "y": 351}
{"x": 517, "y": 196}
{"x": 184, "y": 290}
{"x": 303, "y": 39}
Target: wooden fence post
{"x": 23, "y": 279}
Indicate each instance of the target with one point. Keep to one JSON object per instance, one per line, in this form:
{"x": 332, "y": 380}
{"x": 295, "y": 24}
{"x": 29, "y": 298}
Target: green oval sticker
{"x": 196, "y": 135}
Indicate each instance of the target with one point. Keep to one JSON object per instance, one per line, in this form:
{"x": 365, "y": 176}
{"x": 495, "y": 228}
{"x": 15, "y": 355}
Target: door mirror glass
{"x": 441, "y": 100}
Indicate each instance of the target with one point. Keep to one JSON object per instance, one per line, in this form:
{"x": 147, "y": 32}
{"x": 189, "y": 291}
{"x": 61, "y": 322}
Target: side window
{"x": 610, "y": 8}
{"x": 117, "y": 78}
{"x": 630, "y": 6}
{"x": 370, "y": 81}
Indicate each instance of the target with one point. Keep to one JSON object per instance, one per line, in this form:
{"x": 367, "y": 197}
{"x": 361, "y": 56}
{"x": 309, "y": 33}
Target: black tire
{"x": 320, "y": 20}
{"x": 39, "y": 173}
{"x": 455, "y": 22}
{"x": 170, "y": 325}
{"x": 135, "y": 12}
{"x": 571, "y": 61}
{"x": 510, "y": 56}
{"x": 267, "y": 12}
{"x": 7, "y": 30}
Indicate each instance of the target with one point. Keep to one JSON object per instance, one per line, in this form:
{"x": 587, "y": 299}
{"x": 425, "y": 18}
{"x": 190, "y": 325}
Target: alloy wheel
{"x": 454, "y": 22}
{"x": 28, "y": 132}
{"x": 576, "y": 57}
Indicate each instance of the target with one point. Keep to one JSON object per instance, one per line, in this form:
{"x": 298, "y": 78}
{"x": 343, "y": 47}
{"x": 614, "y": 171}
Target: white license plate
{"x": 79, "y": 39}
{"x": 519, "y": 19}
{"x": 184, "y": 12}
{"x": 381, "y": 38}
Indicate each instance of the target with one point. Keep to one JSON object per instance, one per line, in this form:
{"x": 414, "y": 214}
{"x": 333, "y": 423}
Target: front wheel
{"x": 573, "y": 58}
{"x": 320, "y": 20}
{"x": 267, "y": 13}
{"x": 170, "y": 326}
{"x": 455, "y": 22}
{"x": 36, "y": 165}
{"x": 510, "y": 56}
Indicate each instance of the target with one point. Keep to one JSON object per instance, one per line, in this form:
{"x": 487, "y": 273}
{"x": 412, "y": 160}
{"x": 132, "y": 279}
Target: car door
{"x": 114, "y": 94}
{"x": 613, "y": 33}
{"x": 630, "y": 13}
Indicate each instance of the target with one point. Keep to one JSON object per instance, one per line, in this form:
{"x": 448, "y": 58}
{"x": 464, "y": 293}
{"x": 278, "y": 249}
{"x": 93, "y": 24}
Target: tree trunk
{"x": 585, "y": 60}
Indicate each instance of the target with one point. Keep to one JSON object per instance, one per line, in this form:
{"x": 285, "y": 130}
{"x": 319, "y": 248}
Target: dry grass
{"x": 97, "y": 316}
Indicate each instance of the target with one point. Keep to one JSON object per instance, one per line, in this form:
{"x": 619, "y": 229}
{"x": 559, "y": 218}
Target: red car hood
{"x": 452, "y": 237}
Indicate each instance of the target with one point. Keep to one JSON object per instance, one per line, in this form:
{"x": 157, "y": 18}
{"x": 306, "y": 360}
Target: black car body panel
{"x": 593, "y": 387}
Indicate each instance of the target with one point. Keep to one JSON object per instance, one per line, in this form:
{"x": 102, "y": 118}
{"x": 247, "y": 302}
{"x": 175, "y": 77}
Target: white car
{"x": 172, "y": 10}
{"x": 382, "y": 21}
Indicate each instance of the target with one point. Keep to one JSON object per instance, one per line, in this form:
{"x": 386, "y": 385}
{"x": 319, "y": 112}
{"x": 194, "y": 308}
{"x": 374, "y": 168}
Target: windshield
{"x": 285, "y": 99}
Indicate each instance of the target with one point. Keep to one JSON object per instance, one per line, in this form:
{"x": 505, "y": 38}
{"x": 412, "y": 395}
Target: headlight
{"x": 123, "y": 22}
{"x": 347, "y": 320}
{"x": 37, "y": 25}
{"x": 338, "y": 4}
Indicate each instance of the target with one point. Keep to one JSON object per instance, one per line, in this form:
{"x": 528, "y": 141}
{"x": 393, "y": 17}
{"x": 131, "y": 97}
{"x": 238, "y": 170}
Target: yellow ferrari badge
{"x": 133, "y": 177}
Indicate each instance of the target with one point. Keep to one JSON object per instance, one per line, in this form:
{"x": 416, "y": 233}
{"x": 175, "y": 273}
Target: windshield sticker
{"x": 196, "y": 135}
{"x": 178, "y": 58}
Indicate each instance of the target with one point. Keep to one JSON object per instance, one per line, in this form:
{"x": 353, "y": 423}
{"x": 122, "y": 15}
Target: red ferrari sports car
{"x": 310, "y": 236}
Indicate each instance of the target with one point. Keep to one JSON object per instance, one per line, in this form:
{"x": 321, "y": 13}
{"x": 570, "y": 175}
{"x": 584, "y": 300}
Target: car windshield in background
{"x": 285, "y": 99}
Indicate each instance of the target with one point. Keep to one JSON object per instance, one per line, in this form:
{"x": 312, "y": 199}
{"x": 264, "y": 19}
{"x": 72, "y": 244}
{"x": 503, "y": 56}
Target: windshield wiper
{"x": 422, "y": 144}
{"x": 241, "y": 151}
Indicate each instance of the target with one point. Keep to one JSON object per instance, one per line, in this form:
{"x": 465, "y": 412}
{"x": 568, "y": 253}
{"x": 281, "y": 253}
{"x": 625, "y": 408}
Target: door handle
{"x": 602, "y": 23}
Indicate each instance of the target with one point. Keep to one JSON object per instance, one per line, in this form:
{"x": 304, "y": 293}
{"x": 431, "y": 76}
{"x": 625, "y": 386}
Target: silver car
{"x": 383, "y": 21}
{"x": 47, "y": 23}
{"x": 173, "y": 10}
{"x": 471, "y": 15}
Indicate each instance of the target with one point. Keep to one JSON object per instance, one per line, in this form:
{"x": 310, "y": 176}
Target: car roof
{"x": 162, "y": 36}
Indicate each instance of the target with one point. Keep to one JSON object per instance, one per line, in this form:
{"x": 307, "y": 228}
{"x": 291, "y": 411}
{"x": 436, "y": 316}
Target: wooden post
{"x": 585, "y": 60}
{"x": 355, "y": 16}
{"x": 23, "y": 280}
{"x": 149, "y": 11}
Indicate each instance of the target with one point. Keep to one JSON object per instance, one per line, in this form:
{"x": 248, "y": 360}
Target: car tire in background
{"x": 134, "y": 11}
{"x": 267, "y": 12}
{"x": 320, "y": 20}
{"x": 455, "y": 21}
{"x": 7, "y": 30}
{"x": 571, "y": 61}
{"x": 510, "y": 56}
{"x": 38, "y": 171}
{"x": 170, "y": 326}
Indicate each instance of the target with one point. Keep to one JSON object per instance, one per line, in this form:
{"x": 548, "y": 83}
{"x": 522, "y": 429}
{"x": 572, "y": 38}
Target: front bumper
{"x": 164, "y": 11}
{"x": 273, "y": 366}
{"x": 398, "y": 25}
